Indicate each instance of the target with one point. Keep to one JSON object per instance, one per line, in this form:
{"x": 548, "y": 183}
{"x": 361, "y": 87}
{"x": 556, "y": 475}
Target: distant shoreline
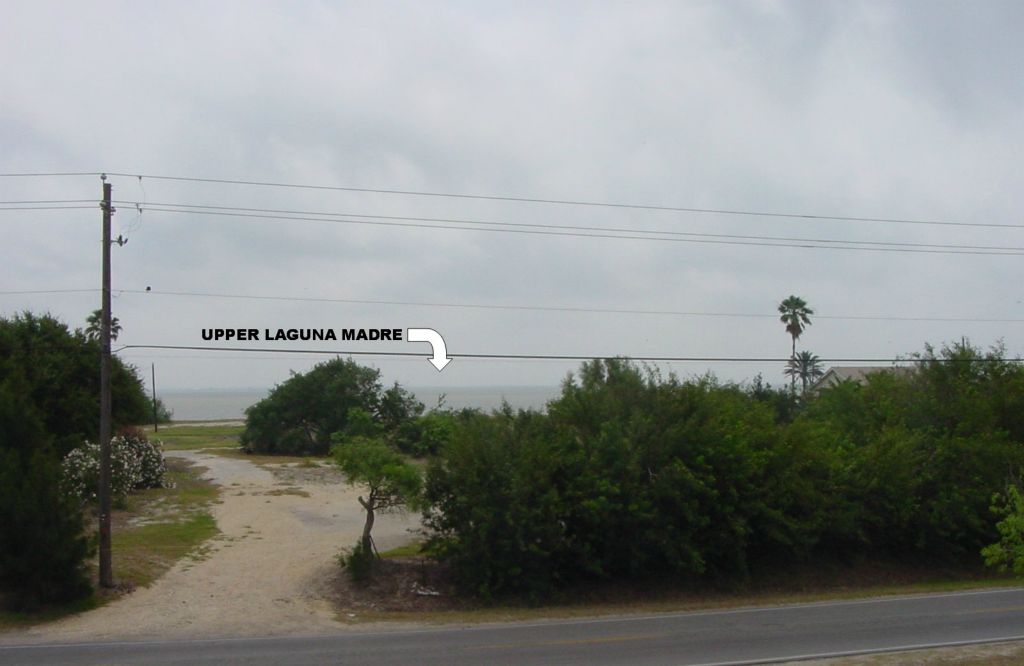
{"x": 215, "y": 405}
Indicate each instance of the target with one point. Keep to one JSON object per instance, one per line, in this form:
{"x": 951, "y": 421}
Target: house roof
{"x": 856, "y": 373}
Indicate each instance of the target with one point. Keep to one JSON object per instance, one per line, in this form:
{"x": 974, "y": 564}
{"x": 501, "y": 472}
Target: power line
{"x": 800, "y": 243}
{"x": 47, "y": 201}
{"x": 519, "y": 307}
{"x": 548, "y": 357}
{"x": 330, "y": 217}
{"x": 577, "y": 231}
{"x": 553, "y": 308}
{"x": 47, "y": 291}
{"x": 564, "y": 202}
{"x": 50, "y": 174}
{"x": 47, "y": 207}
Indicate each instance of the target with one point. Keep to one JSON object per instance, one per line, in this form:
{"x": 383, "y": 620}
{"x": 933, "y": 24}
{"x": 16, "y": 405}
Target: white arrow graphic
{"x": 440, "y": 357}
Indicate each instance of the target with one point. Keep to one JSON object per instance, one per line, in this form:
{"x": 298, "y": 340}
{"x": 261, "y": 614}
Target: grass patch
{"x": 143, "y": 554}
{"x": 192, "y": 437}
{"x": 155, "y": 529}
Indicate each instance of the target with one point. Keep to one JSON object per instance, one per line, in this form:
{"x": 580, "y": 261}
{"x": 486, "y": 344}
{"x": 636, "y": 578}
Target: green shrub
{"x": 1007, "y": 554}
{"x": 43, "y": 546}
{"x": 629, "y": 475}
{"x": 300, "y": 415}
{"x": 359, "y": 562}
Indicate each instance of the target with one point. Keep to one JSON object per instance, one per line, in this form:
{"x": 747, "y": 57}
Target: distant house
{"x": 846, "y": 373}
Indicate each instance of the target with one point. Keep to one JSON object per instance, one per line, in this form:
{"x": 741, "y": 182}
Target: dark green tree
{"x": 61, "y": 371}
{"x": 43, "y": 543}
{"x": 301, "y": 414}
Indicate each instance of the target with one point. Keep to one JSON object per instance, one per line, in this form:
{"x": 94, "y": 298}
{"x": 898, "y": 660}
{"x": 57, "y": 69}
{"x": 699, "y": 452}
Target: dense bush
{"x": 627, "y": 475}
{"x": 301, "y": 414}
{"x": 135, "y": 462}
{"x": 61, "y": 372}
{"x": 43, "y": 546}
{"x": 632, "y": 475}
{"x": 427, "y": 434}
{"x": 922, "y": 451}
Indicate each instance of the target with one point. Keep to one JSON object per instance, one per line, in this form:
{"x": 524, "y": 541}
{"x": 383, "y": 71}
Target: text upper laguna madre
{"x": 238, "y": 334}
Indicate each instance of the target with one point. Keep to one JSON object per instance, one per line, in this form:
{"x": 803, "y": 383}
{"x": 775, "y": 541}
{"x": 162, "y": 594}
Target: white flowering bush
{"x": 135, "y": 462}
{"x": 150, "y": 454}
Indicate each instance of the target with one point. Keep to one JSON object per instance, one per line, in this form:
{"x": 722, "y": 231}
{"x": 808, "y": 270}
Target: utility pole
{"x": 106, "y": 570}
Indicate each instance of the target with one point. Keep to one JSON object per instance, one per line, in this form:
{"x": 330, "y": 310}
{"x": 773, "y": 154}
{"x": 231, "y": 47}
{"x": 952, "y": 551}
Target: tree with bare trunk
{"x": 392, "y": 483}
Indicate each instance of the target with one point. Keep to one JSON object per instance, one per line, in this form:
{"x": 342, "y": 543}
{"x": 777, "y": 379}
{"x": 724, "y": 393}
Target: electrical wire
{"x": 804, "y": 244}
{"x": 545, "y": 357}
{"x": 514, "y": 307}
{"x": 48, "y": 201}
{"x": 563, "y": 202}
{"x": 46, "y": 207}
{"x": 47, "y": 291}
{"x": 328, "y": 217}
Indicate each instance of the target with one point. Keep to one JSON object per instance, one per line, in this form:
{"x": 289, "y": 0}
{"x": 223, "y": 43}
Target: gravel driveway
{"x": 264, "y": 575}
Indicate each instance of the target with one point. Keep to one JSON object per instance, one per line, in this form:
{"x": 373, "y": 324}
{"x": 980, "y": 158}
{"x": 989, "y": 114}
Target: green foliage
{"x": 922, "y": 450}
{"x": 300, "y": 415}
{"x": 627, "y": 475}
{"x": 61, "y": 373}
{"x": 426, "y": 435}
{"x": 393, "y": 483}
{"x": 1007, "y": 554}
{"x": 359, "y": 562}
{"x": 806, "y": 367}
{"x": 42, "y": 543}
{"x": 631, "y": 475}
{"x": 795, "y": 314}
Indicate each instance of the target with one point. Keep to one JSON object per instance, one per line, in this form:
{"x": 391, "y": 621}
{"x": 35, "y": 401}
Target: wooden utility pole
{"x": 106, "y": 571}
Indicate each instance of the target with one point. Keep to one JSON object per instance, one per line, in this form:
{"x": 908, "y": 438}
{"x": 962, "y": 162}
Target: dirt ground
{"x": 269, "y": 572}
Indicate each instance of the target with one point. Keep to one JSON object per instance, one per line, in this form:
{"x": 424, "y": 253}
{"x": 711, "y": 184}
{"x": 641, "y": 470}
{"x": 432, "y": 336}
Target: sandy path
{"x": 263, "y": 575}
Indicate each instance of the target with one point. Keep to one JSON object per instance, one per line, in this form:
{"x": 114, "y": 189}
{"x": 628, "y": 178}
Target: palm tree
{"x": 92, "y": 330}
{"x": 807, "y": 367}
{"x": 796, "y": 317}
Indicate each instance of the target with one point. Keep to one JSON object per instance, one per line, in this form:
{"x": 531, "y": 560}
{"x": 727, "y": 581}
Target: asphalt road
{"x": 740, "y": 636}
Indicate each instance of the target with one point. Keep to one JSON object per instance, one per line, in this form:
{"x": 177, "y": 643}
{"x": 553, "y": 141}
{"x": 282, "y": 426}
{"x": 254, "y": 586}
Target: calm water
{"x": 213, "y": 405}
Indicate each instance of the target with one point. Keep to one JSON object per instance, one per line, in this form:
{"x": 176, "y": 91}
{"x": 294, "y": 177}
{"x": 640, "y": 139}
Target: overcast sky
{"x": 897, "y": 110}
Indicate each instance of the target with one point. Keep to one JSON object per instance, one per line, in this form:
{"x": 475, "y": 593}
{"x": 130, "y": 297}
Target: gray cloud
{"x": 871, "y": 109}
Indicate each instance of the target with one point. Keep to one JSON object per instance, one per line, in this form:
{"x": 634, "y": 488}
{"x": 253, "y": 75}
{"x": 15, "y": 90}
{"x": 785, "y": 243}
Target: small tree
{"x": 392, "y": 483}
{"x": 805, "y": 366}
{"x": 92, "y": 328}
